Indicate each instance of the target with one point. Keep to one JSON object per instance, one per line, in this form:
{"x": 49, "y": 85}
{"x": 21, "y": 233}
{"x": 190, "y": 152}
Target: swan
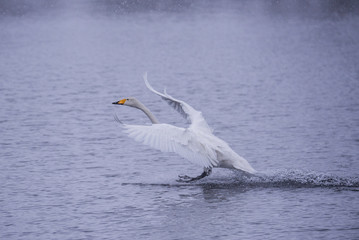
{"x": 196, "y": 143}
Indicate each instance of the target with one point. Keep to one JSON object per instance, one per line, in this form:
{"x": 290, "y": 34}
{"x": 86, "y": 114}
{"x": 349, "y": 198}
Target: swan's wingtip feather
{"x": 146, "y": 81}
{"x": 118, "y": 120}
{"x": 148, "y": 84}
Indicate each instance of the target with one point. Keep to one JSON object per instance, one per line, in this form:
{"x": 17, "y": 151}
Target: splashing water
{"x": 289, "y": 178}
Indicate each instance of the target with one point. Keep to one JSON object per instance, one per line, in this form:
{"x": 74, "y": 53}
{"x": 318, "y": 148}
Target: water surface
{"x": 279, "y": 83}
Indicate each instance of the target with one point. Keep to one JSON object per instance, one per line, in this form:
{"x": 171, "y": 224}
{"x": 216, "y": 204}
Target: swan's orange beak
{"x": 121, "y": 102}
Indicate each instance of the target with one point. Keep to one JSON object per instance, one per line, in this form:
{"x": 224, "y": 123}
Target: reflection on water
{"x": 277, "y": 80}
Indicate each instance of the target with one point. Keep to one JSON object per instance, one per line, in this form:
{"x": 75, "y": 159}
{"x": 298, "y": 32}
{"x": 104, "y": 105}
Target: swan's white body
{"x": 201, "y": 148}
{"x": 195, "y": 143}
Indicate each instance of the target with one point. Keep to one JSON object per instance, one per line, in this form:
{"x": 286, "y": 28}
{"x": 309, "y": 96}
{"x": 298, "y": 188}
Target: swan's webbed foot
{"x": 185, "y": 178}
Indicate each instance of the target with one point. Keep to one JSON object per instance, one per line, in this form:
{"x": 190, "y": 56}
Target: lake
{"x": 278, "y": 81}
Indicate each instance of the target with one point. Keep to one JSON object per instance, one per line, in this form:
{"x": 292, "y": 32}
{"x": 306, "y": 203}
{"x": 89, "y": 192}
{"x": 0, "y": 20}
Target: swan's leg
{"x": 185, "y": 178}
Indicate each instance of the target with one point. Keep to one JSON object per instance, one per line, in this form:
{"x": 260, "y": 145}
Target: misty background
{"x": 313, "y": 8}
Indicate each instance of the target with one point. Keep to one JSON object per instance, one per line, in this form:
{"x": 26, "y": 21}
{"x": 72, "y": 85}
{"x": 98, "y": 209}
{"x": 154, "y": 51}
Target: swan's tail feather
{"x": 242, "y": 164}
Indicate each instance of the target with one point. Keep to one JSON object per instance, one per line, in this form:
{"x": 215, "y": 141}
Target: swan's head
{"x": 131, "y": 102}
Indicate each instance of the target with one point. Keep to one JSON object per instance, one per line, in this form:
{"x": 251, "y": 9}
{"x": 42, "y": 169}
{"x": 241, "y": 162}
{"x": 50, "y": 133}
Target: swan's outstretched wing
{"x": 168, "y": 138}
{"x": 188, "y": 112}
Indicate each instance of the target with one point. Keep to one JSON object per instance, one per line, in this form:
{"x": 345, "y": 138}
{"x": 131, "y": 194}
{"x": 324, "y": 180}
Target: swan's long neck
{"x": 148, "y": 113}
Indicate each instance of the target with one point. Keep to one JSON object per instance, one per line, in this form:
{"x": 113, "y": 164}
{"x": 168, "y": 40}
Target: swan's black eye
{"x": 127, "y": 99}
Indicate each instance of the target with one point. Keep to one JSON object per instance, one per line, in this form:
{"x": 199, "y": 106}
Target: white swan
{"x": 195, "y": 143}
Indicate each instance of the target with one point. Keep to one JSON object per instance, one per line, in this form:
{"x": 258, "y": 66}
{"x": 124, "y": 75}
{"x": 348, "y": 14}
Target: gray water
{"x": 279, "y": 81}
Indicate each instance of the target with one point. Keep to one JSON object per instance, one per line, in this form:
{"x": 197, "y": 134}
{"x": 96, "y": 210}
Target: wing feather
{"x": 168, "y": 138}
{"x": 188, "y": 112}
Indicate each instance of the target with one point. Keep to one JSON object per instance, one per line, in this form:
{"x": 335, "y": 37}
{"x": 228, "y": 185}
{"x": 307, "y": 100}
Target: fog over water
{"x": 277, "y": 80}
